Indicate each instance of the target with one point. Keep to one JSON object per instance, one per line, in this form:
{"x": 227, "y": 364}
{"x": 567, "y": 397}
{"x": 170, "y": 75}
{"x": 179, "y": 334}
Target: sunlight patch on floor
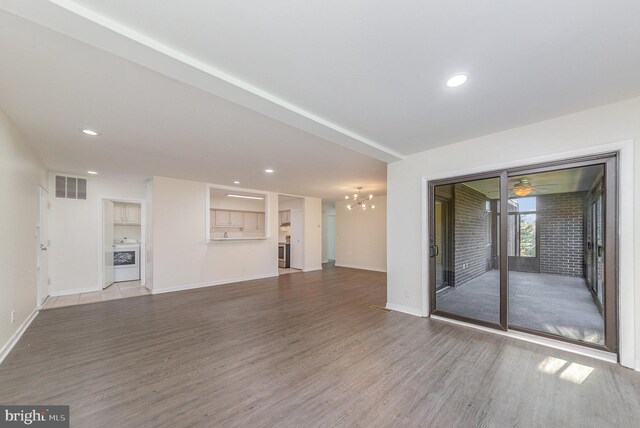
{"x": 574, "y": 372}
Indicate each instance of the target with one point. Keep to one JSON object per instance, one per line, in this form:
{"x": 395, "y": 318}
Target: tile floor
{"x": 283, "y": 271}
{"x": 120, "y": 290}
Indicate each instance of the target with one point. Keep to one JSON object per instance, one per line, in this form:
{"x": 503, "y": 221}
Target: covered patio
{"x": 556, "y": 304}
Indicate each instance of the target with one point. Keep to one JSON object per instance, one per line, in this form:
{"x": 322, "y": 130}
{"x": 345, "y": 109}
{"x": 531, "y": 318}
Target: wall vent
{"x": 71, "y": 187}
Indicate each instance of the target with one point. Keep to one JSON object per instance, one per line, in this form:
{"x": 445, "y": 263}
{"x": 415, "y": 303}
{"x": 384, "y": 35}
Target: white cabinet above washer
{"x": 124, "y": 213}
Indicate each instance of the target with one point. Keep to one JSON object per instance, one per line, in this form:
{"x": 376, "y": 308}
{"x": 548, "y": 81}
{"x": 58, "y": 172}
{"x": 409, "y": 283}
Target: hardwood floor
{"x": 300, "y": 350}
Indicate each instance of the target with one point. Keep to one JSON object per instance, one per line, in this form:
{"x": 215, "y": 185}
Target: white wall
{"x": 290, "y": 204}
{"x": 553, "y": 138}
{"x": 183, "y": 257}
{"x": 312, "y": 234}
{"x": 148, "y": 191}
{"x": 21, "y": 172}
{"x": 361, "y": 236}
{"x": 121, "y": 231}
{"x": 75, "y": 230}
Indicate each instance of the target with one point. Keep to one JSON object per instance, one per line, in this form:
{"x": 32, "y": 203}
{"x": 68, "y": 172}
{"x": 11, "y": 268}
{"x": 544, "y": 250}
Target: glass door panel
{"x": 442, "y": 215}
{"x": 464, "y": 250}
{"x": 550, "y": 289}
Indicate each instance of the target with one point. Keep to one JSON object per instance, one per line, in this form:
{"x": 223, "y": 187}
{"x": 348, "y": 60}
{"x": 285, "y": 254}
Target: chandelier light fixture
{"x": 522, "y": 188}
{"x": 357, "y": 200}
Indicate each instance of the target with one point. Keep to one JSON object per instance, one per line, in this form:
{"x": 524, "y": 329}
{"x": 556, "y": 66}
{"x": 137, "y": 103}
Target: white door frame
{"x": 39, "y": 251}
{"x": 143, "y": 238}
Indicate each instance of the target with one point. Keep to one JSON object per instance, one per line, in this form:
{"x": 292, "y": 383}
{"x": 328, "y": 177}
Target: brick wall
{"x": 470, "y": 234}
{"x": 561, "y": 226}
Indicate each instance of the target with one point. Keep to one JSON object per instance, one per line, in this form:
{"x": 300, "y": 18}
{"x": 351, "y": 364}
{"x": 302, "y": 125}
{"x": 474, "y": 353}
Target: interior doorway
{"x": 290, "y": 234}
{"x": 123, "y": 243}
{"x": 530, "y": 249}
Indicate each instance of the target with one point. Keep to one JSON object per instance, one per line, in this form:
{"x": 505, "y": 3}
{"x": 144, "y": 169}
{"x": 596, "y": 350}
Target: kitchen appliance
{"x": 126, "y": 262}
{"x": 284, "y": 255}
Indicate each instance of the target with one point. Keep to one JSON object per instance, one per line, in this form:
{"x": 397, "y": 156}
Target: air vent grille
{"x": 71, "y": 187}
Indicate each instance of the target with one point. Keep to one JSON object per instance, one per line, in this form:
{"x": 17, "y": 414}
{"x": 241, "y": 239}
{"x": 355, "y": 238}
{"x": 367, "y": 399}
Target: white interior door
{"x": 297, "y": 240}
{"x": 107, "y": 242}
{"x": 42, "y": 242}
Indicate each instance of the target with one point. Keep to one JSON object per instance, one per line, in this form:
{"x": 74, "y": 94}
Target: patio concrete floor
{"x": 544, "y": 302}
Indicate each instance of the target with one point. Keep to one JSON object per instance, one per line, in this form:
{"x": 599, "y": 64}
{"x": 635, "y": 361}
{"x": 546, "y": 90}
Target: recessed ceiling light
{"x": 90, "y": 132}
{"x": 457, "y": 80}
{"x": 268, "y": 171}
{"x": 236, "y": 182}
{"x": 231, "y": 195}
{"x": 92, "y": 172}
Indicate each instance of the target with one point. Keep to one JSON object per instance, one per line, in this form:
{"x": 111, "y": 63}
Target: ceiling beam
{"x": 76, "y": 21}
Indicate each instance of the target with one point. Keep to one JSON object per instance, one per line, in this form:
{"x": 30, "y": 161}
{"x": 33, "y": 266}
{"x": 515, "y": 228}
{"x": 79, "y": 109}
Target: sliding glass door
{"x": 545, "y": 264}
{"x": 463, "y": 249}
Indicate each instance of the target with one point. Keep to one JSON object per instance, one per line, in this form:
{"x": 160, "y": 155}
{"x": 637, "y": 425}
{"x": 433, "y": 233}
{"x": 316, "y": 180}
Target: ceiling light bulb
{"x": 364, "y": 207}
{"x": 370, "y": 197}
{"x": 346, "y": 197}
{"x": 236, "y": 182}
{"x": 268, "y": 171}
{"x": 92, "y": 172}
{"x": 355, "y": 196}
{"x": 373, "y": 206}
{"x": 348, "y": 207}
{"x": 90, "y": 132}
{"x": 457, "y": 80}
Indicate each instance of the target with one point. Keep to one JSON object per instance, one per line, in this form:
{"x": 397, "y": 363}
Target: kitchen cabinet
{"x": 284, "y": 217}
{"x": 253, "y": 221}
{"x": 132, "y": 213}
{"x": 260, "y": 221}
{"x": 124, "y": 213}
{"x": 250, "y": 221}
{"x": 229, "y": 218}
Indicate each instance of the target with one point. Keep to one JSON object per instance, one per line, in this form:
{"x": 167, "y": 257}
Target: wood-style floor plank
{"x": 300, "y": 350}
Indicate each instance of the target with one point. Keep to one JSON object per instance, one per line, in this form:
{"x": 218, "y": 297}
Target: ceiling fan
{"x": 524, "y": 187}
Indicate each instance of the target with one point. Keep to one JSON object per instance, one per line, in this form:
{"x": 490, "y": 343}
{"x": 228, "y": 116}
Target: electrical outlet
{"x": 13, "y": 317}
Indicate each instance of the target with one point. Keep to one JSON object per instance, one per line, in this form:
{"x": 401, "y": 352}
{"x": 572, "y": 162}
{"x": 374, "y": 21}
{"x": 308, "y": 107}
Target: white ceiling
{"x": 325, "y": 77}
{"x": 51, "y": 86}
{"x": 568, "y": 180}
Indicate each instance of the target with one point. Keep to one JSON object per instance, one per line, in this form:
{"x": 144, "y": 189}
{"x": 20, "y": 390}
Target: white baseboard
{"x": 76, "y": 291}
{"x": 403, "y": 309}
{"x": 211, "y": 283}
{"x": 311, "y": 269}
{"x": 371, "y": 268}
{"x": 551, "y": 343}
{"x": 17, "y": 335}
